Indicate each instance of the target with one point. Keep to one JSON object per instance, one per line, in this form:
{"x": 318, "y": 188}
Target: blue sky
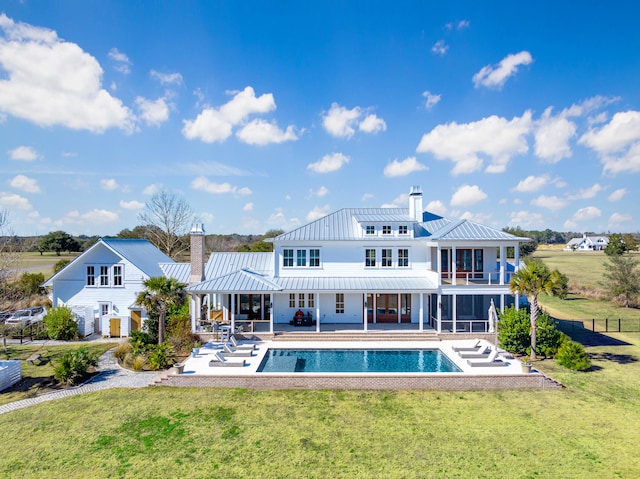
{"x": 268, "y": 115}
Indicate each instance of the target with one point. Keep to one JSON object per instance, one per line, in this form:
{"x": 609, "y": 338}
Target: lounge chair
{"x": 235, "y": 344}
{"x": 483, "y": 352}
{"x": 227, "y": 351}
{"x": 474, "y": 347}
{"x": 220, "y": 361}
{"x": 491, "y": 360}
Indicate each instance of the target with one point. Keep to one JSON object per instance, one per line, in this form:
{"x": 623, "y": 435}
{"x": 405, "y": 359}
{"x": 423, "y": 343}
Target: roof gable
{"x": 139, "y": 252}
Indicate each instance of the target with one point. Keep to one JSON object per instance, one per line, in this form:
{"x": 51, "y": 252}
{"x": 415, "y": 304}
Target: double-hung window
{"x": 301, "y": 258}
{"x": 387, "y": 258}
{"x": 287, "y": 258}
{"x": 370, "y": 258}
{"x": 403, "y": 258}
{"x": 403, "y": 230}
{"x": 292, "y": 300}
{"x": 386, "y": 229}
{"x": 91, "y": 275}
{"x": 117, "y": 275}
{"x": 339, "y": 303}
{"x": 370, "y": 230}
{"x": 104, "y": 276}
{"x": 314, "y": 258}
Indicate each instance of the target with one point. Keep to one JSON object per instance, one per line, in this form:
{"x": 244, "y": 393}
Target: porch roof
{"x": 241, "y": 281}
{"x": 363, "y": 284}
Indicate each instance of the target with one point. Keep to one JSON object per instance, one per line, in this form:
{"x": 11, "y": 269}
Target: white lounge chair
{"x": 473, "y": 347}
{"x": 227, "y": 351}
{"x": 220, "y": 361}
{"x": 483, "y": 352}
{"x": 491, "y": 360}
{"x": 235, "y": 344}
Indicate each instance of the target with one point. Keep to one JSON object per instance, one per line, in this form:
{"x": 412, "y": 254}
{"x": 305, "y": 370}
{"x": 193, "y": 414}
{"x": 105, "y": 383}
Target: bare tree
{"x": 168, "y": 218}
{"x": 9, "y": 257}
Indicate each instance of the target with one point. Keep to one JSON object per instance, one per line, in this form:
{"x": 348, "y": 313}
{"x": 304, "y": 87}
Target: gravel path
{"x": 111, "y": 376}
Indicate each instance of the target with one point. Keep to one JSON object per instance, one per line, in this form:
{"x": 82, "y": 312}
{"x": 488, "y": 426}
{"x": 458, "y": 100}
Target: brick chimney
{"x": 197, "y": 253}
{"x": 415, "y": 203}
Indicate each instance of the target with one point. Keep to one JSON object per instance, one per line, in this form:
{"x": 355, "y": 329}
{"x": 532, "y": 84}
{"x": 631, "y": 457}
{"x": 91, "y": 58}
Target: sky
{"x": 268, "y": 115}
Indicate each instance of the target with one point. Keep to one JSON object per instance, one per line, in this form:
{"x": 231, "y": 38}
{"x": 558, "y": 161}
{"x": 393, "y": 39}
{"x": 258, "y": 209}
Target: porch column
{"x": 375, "y": 308}
{"x": 399, "y": 310}
{"x": 233, "y": 313}
{"x": 439, "y": 313}
{"x": 198, "y": 306}
{"x": 454, "y": 268}
{"x": 516, "y": 258}
{"x": 192, "y": 310}
{"x": 502, "y": 303}
{"x": 421, "y": 315}
{"x": 271, "y": 315}
{"x": 454, "y": 312}
{"x": 318, "y": 313}
{"x": 439, "y": 265}
{"x": 503, "y": 259}
{"x": 364, "y": 312}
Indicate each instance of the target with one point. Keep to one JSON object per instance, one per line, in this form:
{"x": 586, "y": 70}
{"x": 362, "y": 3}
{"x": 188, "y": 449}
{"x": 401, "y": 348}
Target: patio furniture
{"x": 227, "y": 351}
{"x": 474, "y": 347}
{"x": 491, "y": 360}
{"x": 234, "y": 343}
{"x": 225, "y": 332}
{"x": 220, "y": 361}
{"x": 483, "y": 352}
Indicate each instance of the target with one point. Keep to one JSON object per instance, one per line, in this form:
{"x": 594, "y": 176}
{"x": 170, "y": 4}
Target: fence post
{"x": 619, "y": 330}
{"x": 593, "y": 324}
{"x": 606, "y": 325}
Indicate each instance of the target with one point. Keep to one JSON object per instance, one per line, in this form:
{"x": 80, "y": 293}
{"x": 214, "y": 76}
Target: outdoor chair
{"x": 220, "y": 361}
{"x": 474, "y": 347}
{"x": 227, "y": 351}
{"x": 483, "y": 352}
{"x": 491, "y": 360}
{"x": 235, "y": 344}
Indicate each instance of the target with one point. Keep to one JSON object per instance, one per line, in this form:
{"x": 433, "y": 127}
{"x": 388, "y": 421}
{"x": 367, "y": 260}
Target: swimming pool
{"x": 282, "y": 360}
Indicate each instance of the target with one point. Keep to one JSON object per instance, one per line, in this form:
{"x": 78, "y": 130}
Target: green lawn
{"x": 589, "y": 429}
{"x": 37, "y": 263}
{"x": 584, "y": 268}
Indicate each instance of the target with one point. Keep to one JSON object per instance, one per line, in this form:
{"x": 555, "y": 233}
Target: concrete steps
{"x": 358, "y": 336}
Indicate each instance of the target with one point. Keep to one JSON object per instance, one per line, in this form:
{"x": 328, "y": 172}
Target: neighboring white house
{"x": 101, "y": 285}
{"x": 587, "y": 243}
{"x": 357, "y": 266}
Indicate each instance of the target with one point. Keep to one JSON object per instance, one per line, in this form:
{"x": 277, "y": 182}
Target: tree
{"x": 525, "y": 248}
{"x": 533, "y": 279}
{"x": 168, "y": 217}
{"x": 31, "y": 283}
{"x": 159, "y": 295}
{"x": 9, "y": 256}
{"x": 616, "y": 245}
{"x": 61, "y": 324}
{"x": 623, "y": 278}
{"x": 58, "y": 241}
{"x": 60, "y": 265}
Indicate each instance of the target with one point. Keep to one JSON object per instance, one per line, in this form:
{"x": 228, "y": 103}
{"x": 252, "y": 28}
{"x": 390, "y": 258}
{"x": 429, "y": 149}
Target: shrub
{"x": 549, "y": 338}
{"x": 138, "y": 363}
{"x": 179, "y": 334}
{"x": 61, "y": 325}
{"x": 74, "y": 365}
{"x": 160, "y": 357}
{"x": 122, "y": 350}
{"x": 140, "y": 342}
{"x": 514, "y": 333}
{"x": 571, "y": 355}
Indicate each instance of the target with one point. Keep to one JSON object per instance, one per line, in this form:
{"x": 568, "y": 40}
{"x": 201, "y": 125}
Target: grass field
{"x": 36, "y": 263}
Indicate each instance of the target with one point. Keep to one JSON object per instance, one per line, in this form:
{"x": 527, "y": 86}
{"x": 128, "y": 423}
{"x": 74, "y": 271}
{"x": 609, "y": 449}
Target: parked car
{"x": 4, "y": 315}
{"x": 27, "y": 316}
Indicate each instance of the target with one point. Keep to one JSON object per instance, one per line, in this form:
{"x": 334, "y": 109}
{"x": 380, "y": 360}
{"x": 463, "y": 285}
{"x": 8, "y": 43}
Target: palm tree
{"x": 533, "y": 279}
{"x": 159, "y": 295}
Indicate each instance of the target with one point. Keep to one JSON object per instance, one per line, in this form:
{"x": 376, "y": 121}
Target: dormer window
{"x": 403, "y": 230}
{"x": 370, "y": 229}
{"x": 386, "y": 230}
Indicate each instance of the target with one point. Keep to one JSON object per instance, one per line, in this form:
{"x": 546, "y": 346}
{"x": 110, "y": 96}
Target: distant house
{"x": 587, "y": 243}
{"x": 101, "y": 285}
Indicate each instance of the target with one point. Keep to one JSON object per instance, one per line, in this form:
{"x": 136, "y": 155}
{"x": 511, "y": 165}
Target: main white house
{"x": 359, "y": 268}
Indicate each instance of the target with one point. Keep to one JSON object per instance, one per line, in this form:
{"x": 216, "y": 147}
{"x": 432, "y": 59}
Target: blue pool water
{"x": 356, "y": 361}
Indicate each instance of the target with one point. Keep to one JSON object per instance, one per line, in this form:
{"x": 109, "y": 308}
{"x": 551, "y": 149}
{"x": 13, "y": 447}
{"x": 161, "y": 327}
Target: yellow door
{"x": 136, "y": 320}
{"x": 114, "y": 327}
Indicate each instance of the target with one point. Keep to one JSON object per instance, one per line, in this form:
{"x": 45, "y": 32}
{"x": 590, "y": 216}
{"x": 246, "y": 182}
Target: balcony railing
{"x": 476, "y": 278}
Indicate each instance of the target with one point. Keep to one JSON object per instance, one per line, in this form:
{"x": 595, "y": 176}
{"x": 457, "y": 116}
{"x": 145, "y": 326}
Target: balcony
{"x": 489, "y": 278}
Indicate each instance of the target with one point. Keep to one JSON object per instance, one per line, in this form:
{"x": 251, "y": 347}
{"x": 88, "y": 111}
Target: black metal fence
{"x": 24, "y": 333}
{"x": 606, "y": 325}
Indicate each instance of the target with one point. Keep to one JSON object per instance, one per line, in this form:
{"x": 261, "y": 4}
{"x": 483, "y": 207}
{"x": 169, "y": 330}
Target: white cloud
{"x": 467, "y": 195}
{"x": 215, "y": 124}
{"x": 494, "y": 136}
{"x": 583, "y": 215}
{"x": 131, "y": 205}
{"x": 459, "y": 25}
{"x": 318, "y": 212}
{"x": 203, "y": 184}
{"x": 278, "y": 220}
{"x": 439, "y": 48}
{"x": 494, "y": 76}
{"x": 400, "y": 201}
{"x": 320, "y": 192}
{"x": 589, "y": 105}
{"x": 526, "y": 219}
{"x": 617, "y": 219}
{"x": 531, "y": 183}
{"x": 404, "y": 167}
{"x": 248, "y": 207}
{"x": 552, "y": 137}
{"x": 122, "y": 62}
{"x": 329, "y": 163}
{"x": 152, "y": 189}
{"x": 437, "y": 207}
{"x": 167, "y": 78}
{"x": 482, "y": 218}
{"x": 618, "y": 194}
{"x": 11, "y": 201}
{"x": 109, "y": 184}
{"x": 341, "y": 122}
{"x": 586, "y": 193}
{"x": 26, "y": 184}
{"x": 549, "y": 202}
{"x": 98, "y": 216}
{"x": 261, "y": 132}
{"x": 366, "y": 197}
{"x": 372, "y": 124}
{"x": 617, "y": 142}
{"x": 23, "y": 153}
{"x": 432, "y": 99}
{"x": 52, "y": 82}
{"x": 153, "y": 112}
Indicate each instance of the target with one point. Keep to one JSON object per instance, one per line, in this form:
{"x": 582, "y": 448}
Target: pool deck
{"x": 197, "y": 371}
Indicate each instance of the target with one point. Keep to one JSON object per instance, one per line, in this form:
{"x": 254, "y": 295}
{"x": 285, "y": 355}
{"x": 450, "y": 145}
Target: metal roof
{"x": 242, "y": 281}
{"x": 468, "y": 230}
{"x": 140, "y": 253}
{"x": 389, "y": 215}
{"x": 355, "y": 284}
{"x": 179, "y": 271}
{"x": 220, "y": 264}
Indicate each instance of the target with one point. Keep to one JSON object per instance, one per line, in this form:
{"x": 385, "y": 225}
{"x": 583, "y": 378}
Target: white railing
{"x": 10, "y": 373}
{"x": 478, "y": 277}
